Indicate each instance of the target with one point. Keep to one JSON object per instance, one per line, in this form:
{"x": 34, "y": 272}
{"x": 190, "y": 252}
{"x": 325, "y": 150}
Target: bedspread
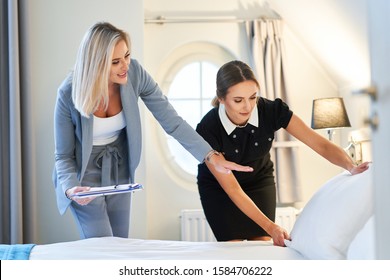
{"x": 142, "y": 249}
{"x": 15, "y": 251}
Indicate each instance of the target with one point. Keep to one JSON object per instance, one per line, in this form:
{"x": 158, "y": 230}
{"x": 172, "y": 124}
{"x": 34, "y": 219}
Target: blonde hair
{"x": 92, "y": 68}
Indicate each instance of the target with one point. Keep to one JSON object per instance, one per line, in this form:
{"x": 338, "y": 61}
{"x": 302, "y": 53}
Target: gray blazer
{"x": 73, "y": 132}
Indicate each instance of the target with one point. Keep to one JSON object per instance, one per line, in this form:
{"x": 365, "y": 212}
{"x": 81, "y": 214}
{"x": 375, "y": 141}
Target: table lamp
{"x": 329, "y": 113}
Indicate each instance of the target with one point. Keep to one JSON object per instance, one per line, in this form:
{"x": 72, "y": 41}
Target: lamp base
{"x": 330, "y": 134}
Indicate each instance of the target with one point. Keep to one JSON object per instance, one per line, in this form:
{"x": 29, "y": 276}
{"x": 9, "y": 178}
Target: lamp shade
{"x": 329, "y": 113}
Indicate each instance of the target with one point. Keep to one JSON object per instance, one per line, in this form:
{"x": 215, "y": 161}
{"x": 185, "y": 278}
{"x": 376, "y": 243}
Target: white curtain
{"x": 17, "y": 184}
{"x": 268, "y": 60}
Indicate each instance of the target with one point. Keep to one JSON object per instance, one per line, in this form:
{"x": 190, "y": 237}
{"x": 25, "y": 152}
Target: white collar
{"x": 229, "y": 126}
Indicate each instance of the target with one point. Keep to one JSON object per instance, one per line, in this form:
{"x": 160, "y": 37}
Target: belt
{"x": 110, "y": 159}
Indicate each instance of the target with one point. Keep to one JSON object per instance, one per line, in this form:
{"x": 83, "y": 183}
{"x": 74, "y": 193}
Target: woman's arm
{"x": 233, "y": 189}
{"x": 222, "y": 165}
{"x": 64, "y": 137}
{"x": 65, "y": 150}
{"x": 322, "y": 146}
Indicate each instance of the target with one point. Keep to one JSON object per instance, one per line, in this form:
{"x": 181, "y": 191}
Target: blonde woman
{"x": 98, "y": 130}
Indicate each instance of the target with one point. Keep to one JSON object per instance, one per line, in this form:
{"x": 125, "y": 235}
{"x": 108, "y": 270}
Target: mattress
{"x": 113, "y": 248}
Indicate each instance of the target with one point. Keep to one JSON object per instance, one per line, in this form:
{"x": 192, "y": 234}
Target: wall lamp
{"x": 329, "y": 113}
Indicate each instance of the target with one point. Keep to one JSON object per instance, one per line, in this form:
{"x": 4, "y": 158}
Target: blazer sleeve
{"x": 66, "y": 167}
{"x": 166, "y": 115}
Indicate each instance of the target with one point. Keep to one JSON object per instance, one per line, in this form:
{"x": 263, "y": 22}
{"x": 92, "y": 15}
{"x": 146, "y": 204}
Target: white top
{"x": 107, "y": 130}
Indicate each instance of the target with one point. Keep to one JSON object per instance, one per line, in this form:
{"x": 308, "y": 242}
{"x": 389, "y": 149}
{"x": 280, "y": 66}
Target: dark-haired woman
{"x": 241, "y": 126}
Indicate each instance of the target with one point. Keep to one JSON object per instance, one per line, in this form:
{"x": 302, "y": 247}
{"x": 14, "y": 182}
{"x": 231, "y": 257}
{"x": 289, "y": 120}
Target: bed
{"x": 337, "y": 223}
{"x": 139, "y": 249}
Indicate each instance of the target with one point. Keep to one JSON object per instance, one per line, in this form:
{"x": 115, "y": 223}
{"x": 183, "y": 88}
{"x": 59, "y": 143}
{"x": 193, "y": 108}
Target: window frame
{"x": 178, "y": 59}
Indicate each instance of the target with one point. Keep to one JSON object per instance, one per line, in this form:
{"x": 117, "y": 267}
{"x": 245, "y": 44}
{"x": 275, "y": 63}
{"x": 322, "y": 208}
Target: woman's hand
{"x": 278, "y": 235}
{"x": 360, "y": 168}
{"x": 224, "y": 166}
{"x": 80, "y": 200}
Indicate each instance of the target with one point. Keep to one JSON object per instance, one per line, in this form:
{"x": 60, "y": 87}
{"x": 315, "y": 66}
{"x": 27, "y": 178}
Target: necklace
{"x": 242, "y": 126}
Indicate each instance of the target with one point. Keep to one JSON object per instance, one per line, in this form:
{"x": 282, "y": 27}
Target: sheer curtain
{"x": 16, "y": 172}
{"x": 268, "y": 59}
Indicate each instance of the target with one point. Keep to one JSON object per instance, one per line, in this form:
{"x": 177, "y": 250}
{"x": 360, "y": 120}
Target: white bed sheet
{"x": 113, "y": 248}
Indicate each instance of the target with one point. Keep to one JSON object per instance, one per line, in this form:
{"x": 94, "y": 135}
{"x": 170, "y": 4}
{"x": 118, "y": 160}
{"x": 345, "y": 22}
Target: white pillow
{"x": 362, "y": 246}
{"x": 333, "y": 216}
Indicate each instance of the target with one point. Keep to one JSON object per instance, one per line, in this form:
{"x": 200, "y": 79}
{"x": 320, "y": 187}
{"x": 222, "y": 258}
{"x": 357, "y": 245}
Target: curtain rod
{"x": 162, "y": 20}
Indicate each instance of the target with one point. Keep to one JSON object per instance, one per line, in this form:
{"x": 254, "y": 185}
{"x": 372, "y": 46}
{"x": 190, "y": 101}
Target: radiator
{"x": 194, "y": 226}
{"x": 286, "y": 217}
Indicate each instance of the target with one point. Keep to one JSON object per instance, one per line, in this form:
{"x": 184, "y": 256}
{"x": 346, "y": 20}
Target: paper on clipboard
{"x": 109, "y": 190}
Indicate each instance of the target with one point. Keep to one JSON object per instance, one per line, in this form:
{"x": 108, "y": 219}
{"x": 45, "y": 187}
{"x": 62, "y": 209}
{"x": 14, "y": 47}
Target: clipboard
{"x": 109, "y": 190}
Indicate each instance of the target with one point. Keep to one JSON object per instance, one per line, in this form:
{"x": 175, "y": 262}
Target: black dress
{"x": 250, "y": 146}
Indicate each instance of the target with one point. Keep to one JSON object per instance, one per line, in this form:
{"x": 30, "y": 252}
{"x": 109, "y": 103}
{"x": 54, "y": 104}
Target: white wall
{"x": 336, "y": 33}
{"x": 55, "y": 29}
{"x": 308, "y": 79}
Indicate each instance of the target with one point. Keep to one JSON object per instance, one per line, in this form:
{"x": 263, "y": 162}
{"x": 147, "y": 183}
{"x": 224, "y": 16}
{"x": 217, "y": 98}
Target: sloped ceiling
{"x": 335, "y": 32}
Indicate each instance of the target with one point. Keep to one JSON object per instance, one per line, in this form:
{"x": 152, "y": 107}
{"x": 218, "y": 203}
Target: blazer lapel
{"x": 86, "y": 132}
{"x": 133, "y": 126}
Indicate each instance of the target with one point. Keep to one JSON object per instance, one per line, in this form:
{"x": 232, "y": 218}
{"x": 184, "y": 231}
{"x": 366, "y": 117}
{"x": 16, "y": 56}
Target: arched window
{"x": 188, "y": 78}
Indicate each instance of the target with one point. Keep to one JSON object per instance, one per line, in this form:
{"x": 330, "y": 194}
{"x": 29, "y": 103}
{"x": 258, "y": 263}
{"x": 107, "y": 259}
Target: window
{"x": 191, "y": 93}
{"x": 189, "y": 81}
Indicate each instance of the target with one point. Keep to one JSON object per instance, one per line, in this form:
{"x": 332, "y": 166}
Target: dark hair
{"x": 230, "y": 74}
